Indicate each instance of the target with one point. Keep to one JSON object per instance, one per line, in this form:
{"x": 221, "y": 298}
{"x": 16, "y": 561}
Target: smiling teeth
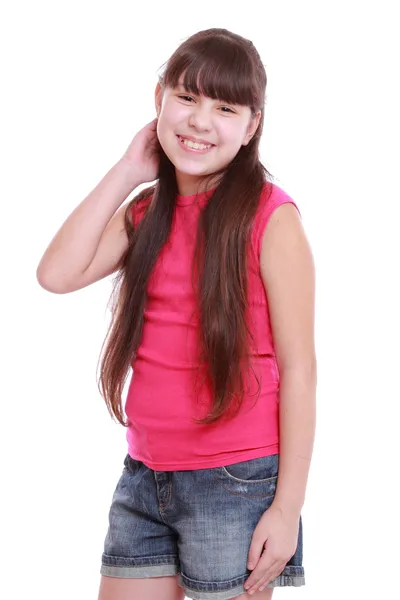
{"x": 195, "y": 145}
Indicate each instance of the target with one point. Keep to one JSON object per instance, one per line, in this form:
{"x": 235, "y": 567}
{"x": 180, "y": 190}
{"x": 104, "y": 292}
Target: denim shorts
{"x": 197, "y": 524}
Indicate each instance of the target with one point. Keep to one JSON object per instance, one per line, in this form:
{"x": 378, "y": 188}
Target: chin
{"x": 186, "y": 168}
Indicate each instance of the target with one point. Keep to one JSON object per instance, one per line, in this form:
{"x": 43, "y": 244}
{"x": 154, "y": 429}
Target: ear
{"x": 158, "y": 94}
{"x": 252, "y": 128}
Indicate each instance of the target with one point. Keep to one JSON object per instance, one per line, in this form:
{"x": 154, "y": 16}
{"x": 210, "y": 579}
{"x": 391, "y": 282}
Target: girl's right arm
{"x": 91, "y": 242}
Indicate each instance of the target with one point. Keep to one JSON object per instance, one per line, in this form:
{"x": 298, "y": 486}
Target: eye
{"x": 186, "y": 98}
{"x": 229, "y": 110}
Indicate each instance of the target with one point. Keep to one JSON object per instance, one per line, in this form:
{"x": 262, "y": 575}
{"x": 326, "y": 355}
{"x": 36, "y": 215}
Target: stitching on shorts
{"x": 248, "y": 480}
{"x": 242, "y": 495}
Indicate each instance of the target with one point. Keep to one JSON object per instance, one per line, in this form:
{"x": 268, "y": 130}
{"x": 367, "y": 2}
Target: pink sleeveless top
{"x": 161, "y": 401}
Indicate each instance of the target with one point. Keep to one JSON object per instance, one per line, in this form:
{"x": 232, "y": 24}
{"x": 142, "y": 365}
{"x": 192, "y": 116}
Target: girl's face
{"x": 200, "y": 135}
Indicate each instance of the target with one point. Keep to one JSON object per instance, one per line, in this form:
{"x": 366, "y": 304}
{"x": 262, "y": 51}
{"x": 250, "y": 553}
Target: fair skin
{"x": 288, "y": 273}
{"x": 226, "y": 126}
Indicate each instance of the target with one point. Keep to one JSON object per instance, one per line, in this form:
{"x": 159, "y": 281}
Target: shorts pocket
{"x": 256, "y": 470}
{"x": 252, "y": 479}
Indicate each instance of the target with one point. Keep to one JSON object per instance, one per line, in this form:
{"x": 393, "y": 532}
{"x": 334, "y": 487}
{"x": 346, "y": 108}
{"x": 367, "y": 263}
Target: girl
{"x": 214, "y": 313}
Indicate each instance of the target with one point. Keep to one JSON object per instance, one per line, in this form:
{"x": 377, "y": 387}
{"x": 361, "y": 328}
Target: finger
{"x": 261, "y": 578}
{"x": 254, "y": 563}
{"x": 263, "y": 567}
{"x": 255, "y": 552}
{"x": 269, "y": 578}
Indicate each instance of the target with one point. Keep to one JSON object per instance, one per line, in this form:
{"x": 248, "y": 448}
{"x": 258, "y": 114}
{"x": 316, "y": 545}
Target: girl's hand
{"x": 142, "y": 153}
{"x": 276, "y": 534}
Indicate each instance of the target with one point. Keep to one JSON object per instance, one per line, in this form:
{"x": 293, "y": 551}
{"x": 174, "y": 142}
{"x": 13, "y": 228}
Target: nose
{"x": 200, "y": 118}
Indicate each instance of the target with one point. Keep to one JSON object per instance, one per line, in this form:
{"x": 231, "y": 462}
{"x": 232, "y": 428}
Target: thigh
{"x": 162, "y": 588}
{"x": 217, "y": 511}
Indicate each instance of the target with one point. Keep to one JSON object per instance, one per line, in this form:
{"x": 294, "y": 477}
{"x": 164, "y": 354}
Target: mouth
{"x": 194, "y": 147}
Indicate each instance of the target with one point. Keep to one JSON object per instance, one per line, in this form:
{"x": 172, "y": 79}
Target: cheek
{"x": 168, "y": 123}
{"x": 231, "y": 134}
{"x": 172, "y": 114}
{"x": 163, "y": 131}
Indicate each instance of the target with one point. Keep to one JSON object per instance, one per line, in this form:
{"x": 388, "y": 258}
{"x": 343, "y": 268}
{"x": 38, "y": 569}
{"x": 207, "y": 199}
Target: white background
{"x": 77, "y": 84}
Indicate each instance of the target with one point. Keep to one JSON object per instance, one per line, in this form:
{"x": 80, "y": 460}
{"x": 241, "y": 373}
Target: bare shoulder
{"x": 284, "y": 228}
{"x": 288, "y": 273}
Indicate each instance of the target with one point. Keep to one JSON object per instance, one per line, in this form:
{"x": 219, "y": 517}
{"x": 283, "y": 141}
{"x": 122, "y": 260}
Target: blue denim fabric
{"x": 197, "y": 524}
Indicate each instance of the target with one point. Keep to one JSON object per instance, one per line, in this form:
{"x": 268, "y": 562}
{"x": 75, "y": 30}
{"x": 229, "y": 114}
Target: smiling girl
{"x": 213, "y": 316}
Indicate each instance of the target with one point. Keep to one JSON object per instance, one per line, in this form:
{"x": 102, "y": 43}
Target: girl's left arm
{"x": 297, "y": 428}
{"x": 288, "y": 273}
{"x": 287, "y": 270}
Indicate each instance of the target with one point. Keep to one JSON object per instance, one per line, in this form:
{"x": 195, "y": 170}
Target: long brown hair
{"x": 225, "y": 66}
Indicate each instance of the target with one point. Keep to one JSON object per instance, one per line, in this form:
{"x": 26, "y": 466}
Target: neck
{"x": 189, "y": 185}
